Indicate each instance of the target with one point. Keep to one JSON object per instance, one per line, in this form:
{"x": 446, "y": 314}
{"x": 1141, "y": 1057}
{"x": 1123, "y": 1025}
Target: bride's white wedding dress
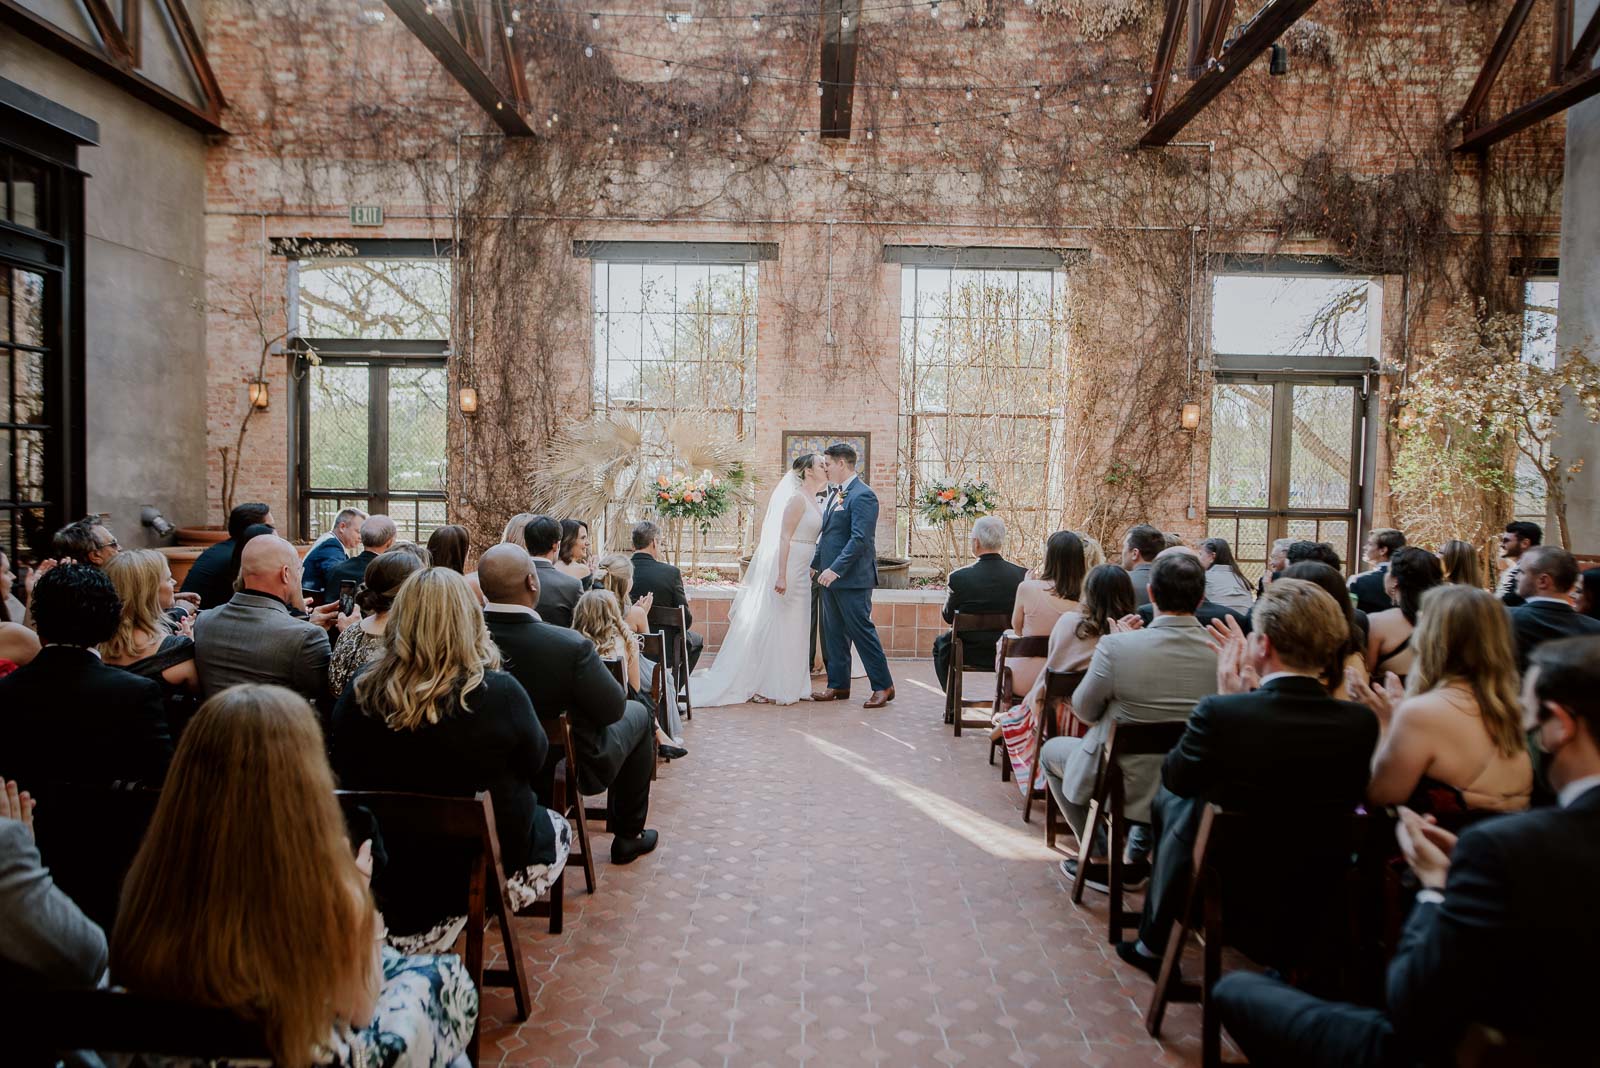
{"x": 767, "y": 648}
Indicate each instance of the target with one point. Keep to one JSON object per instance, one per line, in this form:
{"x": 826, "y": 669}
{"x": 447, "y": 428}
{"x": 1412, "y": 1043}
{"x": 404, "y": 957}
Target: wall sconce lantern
{"x": 1191, "y": 416}
{"x": 259, "y": 399}
{"x": 468, "y": 400}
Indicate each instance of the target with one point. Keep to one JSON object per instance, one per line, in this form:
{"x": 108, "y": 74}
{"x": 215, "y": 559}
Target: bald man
{"x": 615, "y": 738}
{"x": 256, "y": 638}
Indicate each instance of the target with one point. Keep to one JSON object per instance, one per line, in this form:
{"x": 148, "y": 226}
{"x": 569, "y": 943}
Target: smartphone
{"x": 347, "y": 597}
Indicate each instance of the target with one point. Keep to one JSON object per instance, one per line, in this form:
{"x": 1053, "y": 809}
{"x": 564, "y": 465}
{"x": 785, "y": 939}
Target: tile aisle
{"x": 834, "y": 887}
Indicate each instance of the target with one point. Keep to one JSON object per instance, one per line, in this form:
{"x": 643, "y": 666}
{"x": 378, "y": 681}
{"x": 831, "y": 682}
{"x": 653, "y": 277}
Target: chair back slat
{"x": 991, "y": 621}
{"x": 1142, "y": 739}
{"x": 614, "y": 665}
{"x": 1060, "y": 685}
{"x": 1033, "y": 646}
{"x": 662, "y": 616}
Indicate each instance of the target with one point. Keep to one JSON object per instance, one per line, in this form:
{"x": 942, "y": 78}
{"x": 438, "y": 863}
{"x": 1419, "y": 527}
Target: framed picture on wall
{"x": 796, "y": 442}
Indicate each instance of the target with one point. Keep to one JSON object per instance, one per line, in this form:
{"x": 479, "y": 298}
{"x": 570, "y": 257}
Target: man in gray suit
{"x": 1139, "y": 551}
{"x": 1144, "y": 675}
{"x": 558, "y": 591}
{"x": 256, "y": 638}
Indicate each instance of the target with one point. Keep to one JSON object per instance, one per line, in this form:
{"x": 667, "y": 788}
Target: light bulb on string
{"x": 1105, "y": 88}
{"x": 969, "y": 92}
{"x": 738, "y": 138}
{"x": 594, "y": 21}
{"x": 672, "y": 23}
{"x": 615, "y": 128}
{"x": 933, "y": 8}
{"x": 508, "y": 31}
{"x": 755, "y": 20}
{"x": 1077, "y": 108}
{"x": 588, "y": 51}
{"x": 516, "y": 14}
{"x": 1038, "y": 91}
{"x": 674, "y": 133}
{"x": 744, "y": 79}
{"x": 844, "y": 22}
{"x": 894, "y": 93}
{"x": 938, "y": 131}
{"x": 1149, "y": 90}
{"x": 819, "y": 88}
{"x": 869, "y": 133}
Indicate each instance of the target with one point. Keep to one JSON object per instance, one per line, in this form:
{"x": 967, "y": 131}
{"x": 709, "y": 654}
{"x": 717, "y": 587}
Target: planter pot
{"x": 180, "y": 558}
{"x": 894, "y": 572}
{"x": 201, "y": 536}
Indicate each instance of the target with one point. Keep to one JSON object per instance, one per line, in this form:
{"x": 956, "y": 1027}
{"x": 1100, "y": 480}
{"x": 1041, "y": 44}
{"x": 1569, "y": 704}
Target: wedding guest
{"x": 1586, "y": 597}
{"x": 330, "y": 551}
{"x": 68, "y": 717}
{"x": 1319, "y": 552}
{"x": 1208, "y": 613}
{"x": 277, "y": 923}
{"x": 598, "y": 617}
{"x": 146, "y": 642}
{"x": 1461, "y": 564}
{"x": 1454, "y": 742}
{"x": 420, "y": 552}
{"x": 1225, "y": 583}
{"x": 209, "y": 577}
{"x": 1152, "y": 674}
{"x": 1094, "y": 554}
{"x": 87, "y": 541}
{"x": 1370, "y": 587}
{"x": 1351, "y": 654}
{"x": 558, "y": 591}
{"x": 1042, "y": 600}
{"x": 45, "y": 939}
{"x": 1106, "y": 597}
{"x": 663, "y": 584}
{"x": 1140, "y": 548}
{"x": 18, "y": 646}
{"x": 256, "y": 638}
{"x": 255, "y": 530}
{"x": 987, "y": 585}
{"x": 1411, "y": 572}
{"x": 1546, "y": 576}
{"x": 378, "y": 535}
{"x": 516, "y": 529}
{"x": 1517, "y": 539}
{"x": 1286, "y": 743}
{"x": 1277, "y": 560}
{"x": 562, "y": 672}
{"x": 572, "y": 557}
{"x": 11, "y": 609}
{"x": 1511, "y": 898}
{"x": 615, "y": 573}
{"x": 362, "y": 642}
{"x": 450, "y": 546}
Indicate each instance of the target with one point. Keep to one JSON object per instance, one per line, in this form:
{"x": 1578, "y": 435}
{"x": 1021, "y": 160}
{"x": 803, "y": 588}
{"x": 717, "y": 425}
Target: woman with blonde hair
{"x": 1452, "y": 739}
{"x": 277, "y": 922}
{"x": 598, "y": 617}
{"x": 146, "y": 642}
{"x": 1462, "y": 566}
{"x": 434, "y": 715}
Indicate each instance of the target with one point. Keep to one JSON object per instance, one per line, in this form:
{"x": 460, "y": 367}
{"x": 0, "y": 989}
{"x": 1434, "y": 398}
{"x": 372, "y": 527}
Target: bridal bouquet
{"x": 946, "y": 502}
{"x": 699, "y": 497}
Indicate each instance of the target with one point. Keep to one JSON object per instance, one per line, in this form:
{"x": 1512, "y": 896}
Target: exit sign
{"x": 366, "y": 215}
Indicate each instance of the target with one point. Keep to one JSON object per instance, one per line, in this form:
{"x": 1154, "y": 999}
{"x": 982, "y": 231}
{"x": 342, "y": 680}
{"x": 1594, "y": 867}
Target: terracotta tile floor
{"x": 833, "y": 887}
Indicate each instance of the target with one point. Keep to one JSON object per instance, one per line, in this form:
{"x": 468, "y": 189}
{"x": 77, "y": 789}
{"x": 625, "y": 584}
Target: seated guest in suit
{"x": 68, "y": 717}
{"x": 663, "y": 583}
{"x": 988, "y": 585}
{"x": 209, "y": 577}
{"x": 1501, "y": 931}
{"x": 1461, "y": 564}
{"x": 1546, "y": 575}
{"x": 562, "y": 672}
{"x": 1353, "y": 653}
{"x": 1152, "y": 674}
{"x": 330, "y": 551}
{"x": 1286, "y": 746}
{"x": 435, "y": 715}
{"x": 1455, "y": 741}
{"x": 1106, "y": 597}
{"x": 1140, "y": 548}
{"x": 558, "y": 591}
{"x": 45, "y": 939}
{"x": 1370, "y": 587}
{"x": 1517, "y": 539}
{"x": 87, "y": 541}
{"x": 1412, "y": 572}
{"x": 1209, "y": 614}
{"x": 256, "y": 638}
{"x": 572, "y": 557}
{"x": 378, "y": 534}
{"x": 147, "y": 642}
{"x": 1586, "y": 595}
{"x": 362, "y": 642}
{"x": 1042, "y": 600}
{"x": 277, "y": 922}
{"x": 1225, "y": 583}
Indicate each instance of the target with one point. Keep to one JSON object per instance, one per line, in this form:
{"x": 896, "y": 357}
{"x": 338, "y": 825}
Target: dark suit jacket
{"x": 352, "y": 570}
{"x": 847, "y": 544}
{"x": 1369, "y": 591}
{"x": 663, "y": 580}
{"x": 1206, "y": 614}
{"x": 562, "y": 672}
{"x": 988, "y": 584}
{"x": 1535, "y": 622}
{"x": 67, "y": 717}
{"x": 1140, "y": 577}
{"x": 1510, "y": 945}
{"x": 208, "y": 575}
{"x": 558, "y": 593}
{"x": 320, "y": 563}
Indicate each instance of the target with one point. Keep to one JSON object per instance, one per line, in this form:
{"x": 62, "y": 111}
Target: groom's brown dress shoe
{"x": 879, "y": 698}
{"x": 830, "y": 695}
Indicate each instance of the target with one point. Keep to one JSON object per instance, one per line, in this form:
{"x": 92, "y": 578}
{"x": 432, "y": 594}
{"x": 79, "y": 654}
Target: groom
{"x": 846, "y": 565}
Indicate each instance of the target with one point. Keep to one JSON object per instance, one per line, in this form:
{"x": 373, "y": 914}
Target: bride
{"x": 766, "y": 655}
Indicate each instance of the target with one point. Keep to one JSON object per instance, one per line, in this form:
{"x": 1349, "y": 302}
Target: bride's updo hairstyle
{"x": 803, "y": 463}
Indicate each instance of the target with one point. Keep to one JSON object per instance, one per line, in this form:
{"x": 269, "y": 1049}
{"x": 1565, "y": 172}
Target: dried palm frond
{"x": 587, "y": 468}
{"x": 700, "y": 447}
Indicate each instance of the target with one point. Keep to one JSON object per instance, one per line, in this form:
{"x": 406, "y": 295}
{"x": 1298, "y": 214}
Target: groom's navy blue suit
{"x": 846, "y": 546}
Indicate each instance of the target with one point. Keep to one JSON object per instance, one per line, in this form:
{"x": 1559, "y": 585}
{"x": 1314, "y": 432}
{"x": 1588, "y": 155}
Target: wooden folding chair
{"x": 565, "y": 797}
{"x": 674, "y": 623}
{"x": 1006, "y": 696}
{"x": 955, "y": 705}
{"x": 41, "y": 1025}
{"x": 1108, "y": 804}
{"x": 653, "y": 646}
{"x": 1059, "y": 686}
{"x": 470, "y": 823}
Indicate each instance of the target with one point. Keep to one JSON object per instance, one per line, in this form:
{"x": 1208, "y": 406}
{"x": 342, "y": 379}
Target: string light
{"x": 1105, "y": 88}
{"x": 508, "y": 31}
{"x": 869, "y": 133}
{"x": 672, "y": 23}
{"x": 933, "y": 8}
{"x": 844, "y": 22}
{"x": 588, "y": 51}
{"x": 819, "y": 88}
{"x": 744, "y": 79}
{"x": 516, "y": 14}
{"x": 969, "y": 92}
{"x": 1038, "y": 91}
{"x": 594, "y": 21}
{"x": 894, "y": 94}
{"x": 738, "y": 138}
{"x": 755, "y": 20}
{"x": 938, "y": 131}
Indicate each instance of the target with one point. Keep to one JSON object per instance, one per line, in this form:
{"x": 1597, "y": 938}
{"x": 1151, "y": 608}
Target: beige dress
{"x": 1068, "y": 652}
{"x": 1040, "y": 609}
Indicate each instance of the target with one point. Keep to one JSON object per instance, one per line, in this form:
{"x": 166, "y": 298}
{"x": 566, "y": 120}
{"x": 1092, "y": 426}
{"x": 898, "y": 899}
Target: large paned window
{"x": 1293, "y": 355}
{"x": 372, "y": 331}
{"x": 982, "y": 373}
{"x": 675, "y": 344}
{"x": 1541, "y": 302}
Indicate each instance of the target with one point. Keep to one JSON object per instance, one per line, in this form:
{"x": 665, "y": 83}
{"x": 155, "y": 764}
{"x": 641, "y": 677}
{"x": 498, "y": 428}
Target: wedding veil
{"x": 762, "y": 573}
